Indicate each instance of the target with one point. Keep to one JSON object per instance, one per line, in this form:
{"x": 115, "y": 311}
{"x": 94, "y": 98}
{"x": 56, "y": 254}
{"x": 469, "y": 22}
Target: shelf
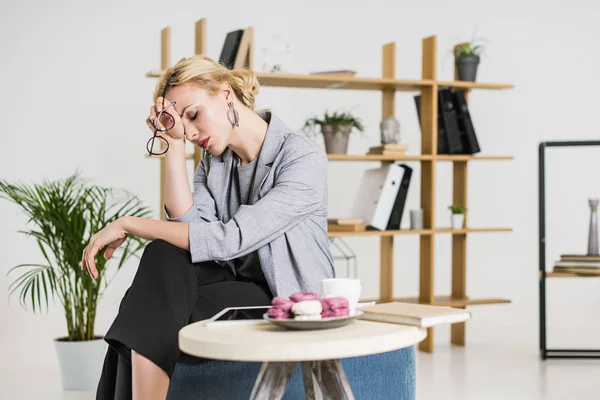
{"x": 475, "y": 85}
{"x": 448, "y": 301}
{"x": 448, "y": 157}
{"x": 471, "y": 230}
{"x": 376, "y": 157}
{"x": 340, "y": 82}
{"x": 374, "y": 232}
{"x": 355, "y": 83}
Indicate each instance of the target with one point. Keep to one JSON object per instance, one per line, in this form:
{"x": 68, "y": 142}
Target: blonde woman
{"x": 254, "y": 227}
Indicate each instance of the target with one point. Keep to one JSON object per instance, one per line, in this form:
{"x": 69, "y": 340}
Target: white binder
{"x": 377, "y": 194}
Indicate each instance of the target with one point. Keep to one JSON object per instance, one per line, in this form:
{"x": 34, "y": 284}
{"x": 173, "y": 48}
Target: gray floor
{"x": 500, "y": 361}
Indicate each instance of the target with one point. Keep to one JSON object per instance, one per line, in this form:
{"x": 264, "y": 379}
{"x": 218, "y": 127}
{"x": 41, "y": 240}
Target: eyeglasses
{"x": 167, "y": 121}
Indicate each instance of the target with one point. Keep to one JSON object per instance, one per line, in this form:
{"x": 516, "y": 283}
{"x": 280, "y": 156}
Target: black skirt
{"x": 168, "y": 292}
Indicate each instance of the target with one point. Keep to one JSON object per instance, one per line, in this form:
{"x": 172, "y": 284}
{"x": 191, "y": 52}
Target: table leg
{"x": 311, "y": 385}
{"x": 332, "y": 378}
{"x": 272, "y": 379}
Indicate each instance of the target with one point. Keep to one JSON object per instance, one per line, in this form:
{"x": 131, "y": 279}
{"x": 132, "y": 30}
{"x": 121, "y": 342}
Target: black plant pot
{"x": 466, "y": 68}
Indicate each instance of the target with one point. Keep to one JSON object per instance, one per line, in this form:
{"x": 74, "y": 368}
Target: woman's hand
{"x": 177, "y": 132}
{"x": 113, "y": 235}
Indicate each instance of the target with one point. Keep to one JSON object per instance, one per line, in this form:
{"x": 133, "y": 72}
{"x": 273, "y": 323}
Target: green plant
{"x": 65, "y": 214}
{"x": 469, "y": 49}
{"x": 458, "y": 209}
{"x": 334, "y": 119}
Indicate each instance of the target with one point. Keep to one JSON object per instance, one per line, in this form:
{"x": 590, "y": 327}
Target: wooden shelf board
{"x": 374, "y": 232}
{"x": 340, "y": 82}
{"x": 448, "y": 301}
{"x": 376, "y": 157}
{"x": 355, "y": 83}
{"x": 460, "y": 157}
{"x": 475, "y": 85}
{"x": 471, "y": 230}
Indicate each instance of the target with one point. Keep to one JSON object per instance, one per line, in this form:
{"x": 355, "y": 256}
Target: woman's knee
{"x": 160, "y": 248}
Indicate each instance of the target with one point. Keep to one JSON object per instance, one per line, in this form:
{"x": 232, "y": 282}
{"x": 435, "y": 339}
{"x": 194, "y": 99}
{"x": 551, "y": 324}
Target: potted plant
{"x": 336, "y": 128}
{"x": 64, "y": 214}
{"x": 458, "y": 216}
{"x": 467, "y": 57}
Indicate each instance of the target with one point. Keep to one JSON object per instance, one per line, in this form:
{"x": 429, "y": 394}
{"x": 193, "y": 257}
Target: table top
{"x": 265, "y": 341}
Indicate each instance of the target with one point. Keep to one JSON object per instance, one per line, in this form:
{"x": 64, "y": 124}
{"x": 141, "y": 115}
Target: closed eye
{"x": 194, "y": 116}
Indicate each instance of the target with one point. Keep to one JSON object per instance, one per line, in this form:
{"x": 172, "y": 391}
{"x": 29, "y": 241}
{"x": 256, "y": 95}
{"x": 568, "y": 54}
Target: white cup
{"x": 350, "y": 288}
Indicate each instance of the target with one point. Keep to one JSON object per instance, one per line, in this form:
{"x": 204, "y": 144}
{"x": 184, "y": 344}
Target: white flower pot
{"x": 80, "y": 363}
{"x": 458, "y": 221}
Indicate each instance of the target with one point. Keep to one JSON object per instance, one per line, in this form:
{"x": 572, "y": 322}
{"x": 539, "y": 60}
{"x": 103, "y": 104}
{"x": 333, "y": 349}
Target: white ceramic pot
{"x": 458, "y": 221}
{"x": 80, "y": 363}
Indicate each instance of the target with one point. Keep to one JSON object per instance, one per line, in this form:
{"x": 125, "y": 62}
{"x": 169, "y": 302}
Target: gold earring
{"x": 235, "y": 119}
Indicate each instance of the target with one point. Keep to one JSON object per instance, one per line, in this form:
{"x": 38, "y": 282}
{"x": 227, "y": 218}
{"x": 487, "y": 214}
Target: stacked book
{"x": 346, "y": 225}
{"x": 578, "y": 264}
{"x": 390, "y": 149}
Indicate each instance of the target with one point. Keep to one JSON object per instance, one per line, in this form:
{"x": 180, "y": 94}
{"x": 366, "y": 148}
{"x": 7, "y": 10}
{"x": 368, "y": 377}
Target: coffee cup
{"x": 349, "y": 288}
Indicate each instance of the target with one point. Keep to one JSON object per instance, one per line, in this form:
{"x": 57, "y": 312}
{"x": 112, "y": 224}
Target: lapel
{"x": 220, "y": 166}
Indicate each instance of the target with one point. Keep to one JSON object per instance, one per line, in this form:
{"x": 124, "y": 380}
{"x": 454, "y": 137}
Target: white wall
{"x": 74, "y": 95}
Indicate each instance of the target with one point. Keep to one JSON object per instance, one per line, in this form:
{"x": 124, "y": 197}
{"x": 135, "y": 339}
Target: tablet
{"x": 239, "y": 315}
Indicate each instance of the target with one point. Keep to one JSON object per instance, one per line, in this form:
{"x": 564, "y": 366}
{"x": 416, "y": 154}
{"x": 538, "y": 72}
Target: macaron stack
{"x": 308, "y": 306}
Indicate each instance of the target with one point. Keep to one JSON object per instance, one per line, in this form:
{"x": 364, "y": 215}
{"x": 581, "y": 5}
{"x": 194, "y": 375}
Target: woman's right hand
{"x": 176, "y": 133}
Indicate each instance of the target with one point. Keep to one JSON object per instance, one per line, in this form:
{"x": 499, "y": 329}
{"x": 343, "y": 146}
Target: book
{"x": 387, "y": 152}
{"x": 345, "y": 221}
{"x": 419, "y": 315}
{"x": 377, "y": 193}
{"x": 342, "y": 72}
{"x": 346, "y": 227}
{"x": 579, "y": 257}
{"x": 578, "y": 264}
{"x": 396, "y": 217}
{"x": 390, "y": 146}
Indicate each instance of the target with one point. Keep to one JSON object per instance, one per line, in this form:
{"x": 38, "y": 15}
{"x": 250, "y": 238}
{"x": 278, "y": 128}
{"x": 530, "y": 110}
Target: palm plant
{"x": 65, "y": 213}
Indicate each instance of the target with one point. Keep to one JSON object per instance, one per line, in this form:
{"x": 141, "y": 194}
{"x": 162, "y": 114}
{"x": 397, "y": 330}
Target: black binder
{"x": 468, "y": 137}
{"x": 397, "y": 211}
{"x": 230, "y": 48}
{"x": 447, "y": 112}
{"x": 442, "y": 143}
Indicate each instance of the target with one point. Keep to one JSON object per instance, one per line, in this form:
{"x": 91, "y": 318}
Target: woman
{"x": 254, "y": 227}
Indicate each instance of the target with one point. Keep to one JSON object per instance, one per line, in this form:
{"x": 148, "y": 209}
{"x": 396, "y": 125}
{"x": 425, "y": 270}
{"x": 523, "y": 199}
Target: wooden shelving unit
{"x": 388, "y": 85}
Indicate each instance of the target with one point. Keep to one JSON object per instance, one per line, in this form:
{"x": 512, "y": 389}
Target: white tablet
{"x": 239, "y": 315}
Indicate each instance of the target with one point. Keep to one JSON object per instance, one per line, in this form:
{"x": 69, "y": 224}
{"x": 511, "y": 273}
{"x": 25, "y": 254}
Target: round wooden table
{"x": 279, "y": 349}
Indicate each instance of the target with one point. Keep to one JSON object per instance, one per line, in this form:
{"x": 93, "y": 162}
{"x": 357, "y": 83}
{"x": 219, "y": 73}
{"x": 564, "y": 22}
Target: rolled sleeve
{"x": 199, "y": 233}
{"x": 188, "y": 216}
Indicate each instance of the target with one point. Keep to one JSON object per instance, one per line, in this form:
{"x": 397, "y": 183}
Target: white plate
{"x": 324, "y": 323}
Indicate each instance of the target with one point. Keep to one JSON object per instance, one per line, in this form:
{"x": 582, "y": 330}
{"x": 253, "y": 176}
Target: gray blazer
{"x": 286, "y": 220}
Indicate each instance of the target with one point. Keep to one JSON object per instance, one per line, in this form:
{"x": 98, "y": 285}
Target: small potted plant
{"x": 458, "y": 216}
{"x": 467, "y": 57}
{"x": 64, "y": 214}
{"x": 336, "y": 128}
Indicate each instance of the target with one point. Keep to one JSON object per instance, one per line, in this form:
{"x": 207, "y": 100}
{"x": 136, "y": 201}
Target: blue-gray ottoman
{"x": 383, "y": 376}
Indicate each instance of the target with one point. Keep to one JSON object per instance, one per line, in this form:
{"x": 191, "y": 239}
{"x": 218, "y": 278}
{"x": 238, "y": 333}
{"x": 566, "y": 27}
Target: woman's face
{"x": 204, "y": 117}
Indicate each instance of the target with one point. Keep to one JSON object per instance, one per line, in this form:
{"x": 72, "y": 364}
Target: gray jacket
{"x": 286, "y": 220}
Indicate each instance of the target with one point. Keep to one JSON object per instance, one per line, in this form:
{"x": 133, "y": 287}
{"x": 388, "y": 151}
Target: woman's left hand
{"x": 112, "y": 235}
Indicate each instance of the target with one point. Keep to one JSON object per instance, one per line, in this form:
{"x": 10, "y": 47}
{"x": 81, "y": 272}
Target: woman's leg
{"x": 159, "y": 302}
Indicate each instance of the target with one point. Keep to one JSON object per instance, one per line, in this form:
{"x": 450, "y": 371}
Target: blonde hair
{"x": 208, "y": 74}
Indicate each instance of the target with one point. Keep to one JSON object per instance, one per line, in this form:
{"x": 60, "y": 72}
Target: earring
{"x": 235, "y": 120}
